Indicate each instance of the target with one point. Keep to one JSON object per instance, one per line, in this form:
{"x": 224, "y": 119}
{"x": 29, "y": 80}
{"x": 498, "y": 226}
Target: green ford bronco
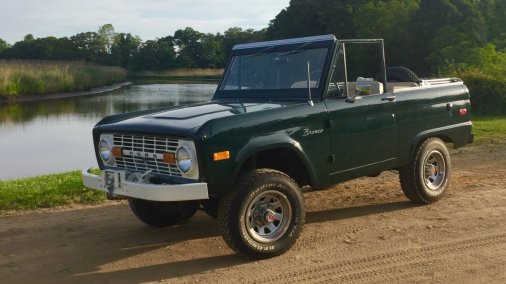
{"x": 306, "y": 112}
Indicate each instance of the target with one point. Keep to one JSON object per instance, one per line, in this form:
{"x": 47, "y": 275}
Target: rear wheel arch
{"x": 419, "y": 140}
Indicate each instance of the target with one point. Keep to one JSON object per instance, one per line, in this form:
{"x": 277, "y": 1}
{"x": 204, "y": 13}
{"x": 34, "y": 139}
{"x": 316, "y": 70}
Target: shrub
{"x": 488, "y": 92}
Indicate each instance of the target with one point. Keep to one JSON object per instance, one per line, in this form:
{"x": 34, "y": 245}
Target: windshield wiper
{"x": 263, "y": 51}
{"x": 296, "y": 50}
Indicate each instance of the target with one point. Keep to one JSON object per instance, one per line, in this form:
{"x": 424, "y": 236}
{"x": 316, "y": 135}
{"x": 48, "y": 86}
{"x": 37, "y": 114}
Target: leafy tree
{"x": 236, "y": 35}
{"x": 49, "y": 48}
{"x": 306, "y": 18}
{"x": 156, "y": 55}
{"x": 187, "y": 42}
{"x": 29, "y": 37}
{"x": 3, "y": 45}
{"x": 387, "y": 20}
{"x": 124, "y": 48}
{"x": 107, "y": 36}
{"x": 89, "y": 46}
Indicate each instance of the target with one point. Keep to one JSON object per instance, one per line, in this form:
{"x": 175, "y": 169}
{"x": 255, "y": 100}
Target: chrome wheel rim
{"x": 267, "y": 216}
{"x": 434, "y": 170}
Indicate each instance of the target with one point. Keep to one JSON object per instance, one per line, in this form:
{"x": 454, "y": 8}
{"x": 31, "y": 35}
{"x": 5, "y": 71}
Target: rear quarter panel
{"x": 432, "y": 111}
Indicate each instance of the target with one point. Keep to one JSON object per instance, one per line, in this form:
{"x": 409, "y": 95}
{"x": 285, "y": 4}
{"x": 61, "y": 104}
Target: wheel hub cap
{"x": 268, "y": 216}
{"x": 435, "y": 170}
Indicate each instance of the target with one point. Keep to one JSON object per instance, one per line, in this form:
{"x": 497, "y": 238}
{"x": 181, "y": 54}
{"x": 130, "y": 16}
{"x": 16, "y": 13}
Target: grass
{"x": 46, "y": 191}
{"x": 489, "y": 129}
{"x": 39, "y": 77}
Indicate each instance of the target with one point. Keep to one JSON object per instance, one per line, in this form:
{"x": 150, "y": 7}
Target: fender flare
{"x": 270, "y": 142}
{"x": 446, "y": 133}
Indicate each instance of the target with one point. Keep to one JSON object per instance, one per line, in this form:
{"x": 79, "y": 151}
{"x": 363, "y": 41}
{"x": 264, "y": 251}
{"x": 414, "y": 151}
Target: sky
{"x": 148, "y": 19}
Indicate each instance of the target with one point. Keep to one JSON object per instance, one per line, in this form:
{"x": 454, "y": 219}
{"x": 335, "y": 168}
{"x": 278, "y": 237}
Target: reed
{"x": 40, "y": 77}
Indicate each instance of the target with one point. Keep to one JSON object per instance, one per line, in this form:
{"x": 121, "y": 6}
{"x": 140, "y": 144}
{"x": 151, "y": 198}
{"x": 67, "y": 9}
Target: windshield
{"x": 271, "y": 70}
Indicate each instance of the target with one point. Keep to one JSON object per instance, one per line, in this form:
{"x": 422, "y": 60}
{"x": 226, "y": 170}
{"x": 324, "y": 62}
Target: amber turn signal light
{"x": 117, "y": 152}
{"x": 169, "y": 158}
{"x": 218, "y": 156}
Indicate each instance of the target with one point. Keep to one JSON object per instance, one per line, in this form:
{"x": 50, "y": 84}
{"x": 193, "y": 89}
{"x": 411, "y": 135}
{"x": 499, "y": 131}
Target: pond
{"x": 55, "y": 136}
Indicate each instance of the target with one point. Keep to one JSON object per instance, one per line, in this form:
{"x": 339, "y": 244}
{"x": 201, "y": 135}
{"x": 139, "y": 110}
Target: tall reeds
{"x": 39, "y": 77}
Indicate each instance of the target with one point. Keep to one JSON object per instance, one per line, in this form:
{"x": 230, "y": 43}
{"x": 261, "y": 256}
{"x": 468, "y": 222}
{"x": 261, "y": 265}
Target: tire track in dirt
{"x": 385, "y": 266}
{"x": 317, "y": 239}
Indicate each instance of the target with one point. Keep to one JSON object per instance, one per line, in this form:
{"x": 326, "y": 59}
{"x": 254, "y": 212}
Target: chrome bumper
{"x": 114, "y": 183}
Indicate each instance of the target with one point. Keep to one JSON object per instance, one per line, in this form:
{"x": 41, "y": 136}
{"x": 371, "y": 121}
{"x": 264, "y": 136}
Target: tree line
{"x": 429, "y": 36}
{"x": 186, "y": 48}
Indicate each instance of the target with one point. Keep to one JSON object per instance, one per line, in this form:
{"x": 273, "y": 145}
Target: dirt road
{"x": 362, "y": 231}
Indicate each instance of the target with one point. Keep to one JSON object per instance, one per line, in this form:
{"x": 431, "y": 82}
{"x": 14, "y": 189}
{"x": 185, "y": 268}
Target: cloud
{"x": 148, "y": 19}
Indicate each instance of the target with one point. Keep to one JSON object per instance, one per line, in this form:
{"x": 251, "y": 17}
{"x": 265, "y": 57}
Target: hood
{"x": 183, "y": 121}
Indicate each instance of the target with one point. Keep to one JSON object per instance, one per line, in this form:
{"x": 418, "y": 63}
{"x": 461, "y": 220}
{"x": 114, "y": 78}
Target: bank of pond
{"x": 21, "y": 78}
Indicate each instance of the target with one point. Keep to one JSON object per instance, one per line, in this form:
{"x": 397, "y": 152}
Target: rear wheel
{"x": 427, "y": 177}
{"x": 162, "y": 214}
{"x": 264, "y": 216}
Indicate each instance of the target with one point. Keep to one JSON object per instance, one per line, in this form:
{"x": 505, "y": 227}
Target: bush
{"x": 488, "y": 92}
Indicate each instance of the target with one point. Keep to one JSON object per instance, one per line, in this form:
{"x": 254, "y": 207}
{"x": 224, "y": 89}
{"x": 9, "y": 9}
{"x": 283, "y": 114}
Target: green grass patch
{"x": 489, "y": 129}
{"x": 46, "y": 191}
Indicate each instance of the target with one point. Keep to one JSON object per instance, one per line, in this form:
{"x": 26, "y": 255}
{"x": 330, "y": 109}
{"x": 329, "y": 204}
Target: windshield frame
{"x": 283, "y": 93}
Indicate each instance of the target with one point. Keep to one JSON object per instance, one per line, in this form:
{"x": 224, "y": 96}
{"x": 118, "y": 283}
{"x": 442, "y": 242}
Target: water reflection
{"x": 54, "y": 136}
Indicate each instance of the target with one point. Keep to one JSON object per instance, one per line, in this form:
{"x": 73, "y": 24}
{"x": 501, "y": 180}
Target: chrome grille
{"x": 146, "y": 144}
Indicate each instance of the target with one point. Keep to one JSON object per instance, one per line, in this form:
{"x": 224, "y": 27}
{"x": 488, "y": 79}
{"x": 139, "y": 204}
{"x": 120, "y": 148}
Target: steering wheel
{"x": 316, "y": 74}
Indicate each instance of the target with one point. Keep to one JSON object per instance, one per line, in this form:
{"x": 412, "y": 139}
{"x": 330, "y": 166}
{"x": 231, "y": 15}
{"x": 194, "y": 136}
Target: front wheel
{"x": 427, "y": 177}
{"x": 264, "y": 216}
{"x": 162, "y": 214}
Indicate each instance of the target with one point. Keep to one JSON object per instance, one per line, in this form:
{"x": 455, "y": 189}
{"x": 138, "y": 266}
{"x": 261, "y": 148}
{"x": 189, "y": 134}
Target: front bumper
{"x": 114, "y": 183}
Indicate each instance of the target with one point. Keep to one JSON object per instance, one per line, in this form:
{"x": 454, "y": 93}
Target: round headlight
{"x": 104, "y": 149}
{"x": 183, "y": 159}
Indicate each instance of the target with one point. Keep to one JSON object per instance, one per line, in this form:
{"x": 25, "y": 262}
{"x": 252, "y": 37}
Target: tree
{"x": 155, "y": 55}
{"x": 28, "y": 37}
{"x": 306, "y": 18}
{"x": 124, "y": 48}
{"x": 3, "y": 45}
{"x": 187, "y": 43}
{"x": 89, "y": 46}
{"x": 388, "y": 20}
{"x": 442, "y": 24}
{"x": 107, "y": 36}
{"x": 236, "y": 35}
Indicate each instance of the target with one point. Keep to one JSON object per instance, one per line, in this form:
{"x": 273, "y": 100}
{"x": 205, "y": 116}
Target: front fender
{"x": 270, "y": 142}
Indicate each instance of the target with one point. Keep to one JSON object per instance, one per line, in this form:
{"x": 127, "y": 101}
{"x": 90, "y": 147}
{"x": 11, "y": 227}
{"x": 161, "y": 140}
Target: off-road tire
{"x": 427, "y": 177}
{"x": 399, "y": 74}
{"x": 162, "y": 214}
{"x": 262, "y": 196}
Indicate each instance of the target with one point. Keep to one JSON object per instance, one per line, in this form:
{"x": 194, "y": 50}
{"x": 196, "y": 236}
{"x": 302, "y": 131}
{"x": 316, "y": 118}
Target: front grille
{"x": 146, "y": 144}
